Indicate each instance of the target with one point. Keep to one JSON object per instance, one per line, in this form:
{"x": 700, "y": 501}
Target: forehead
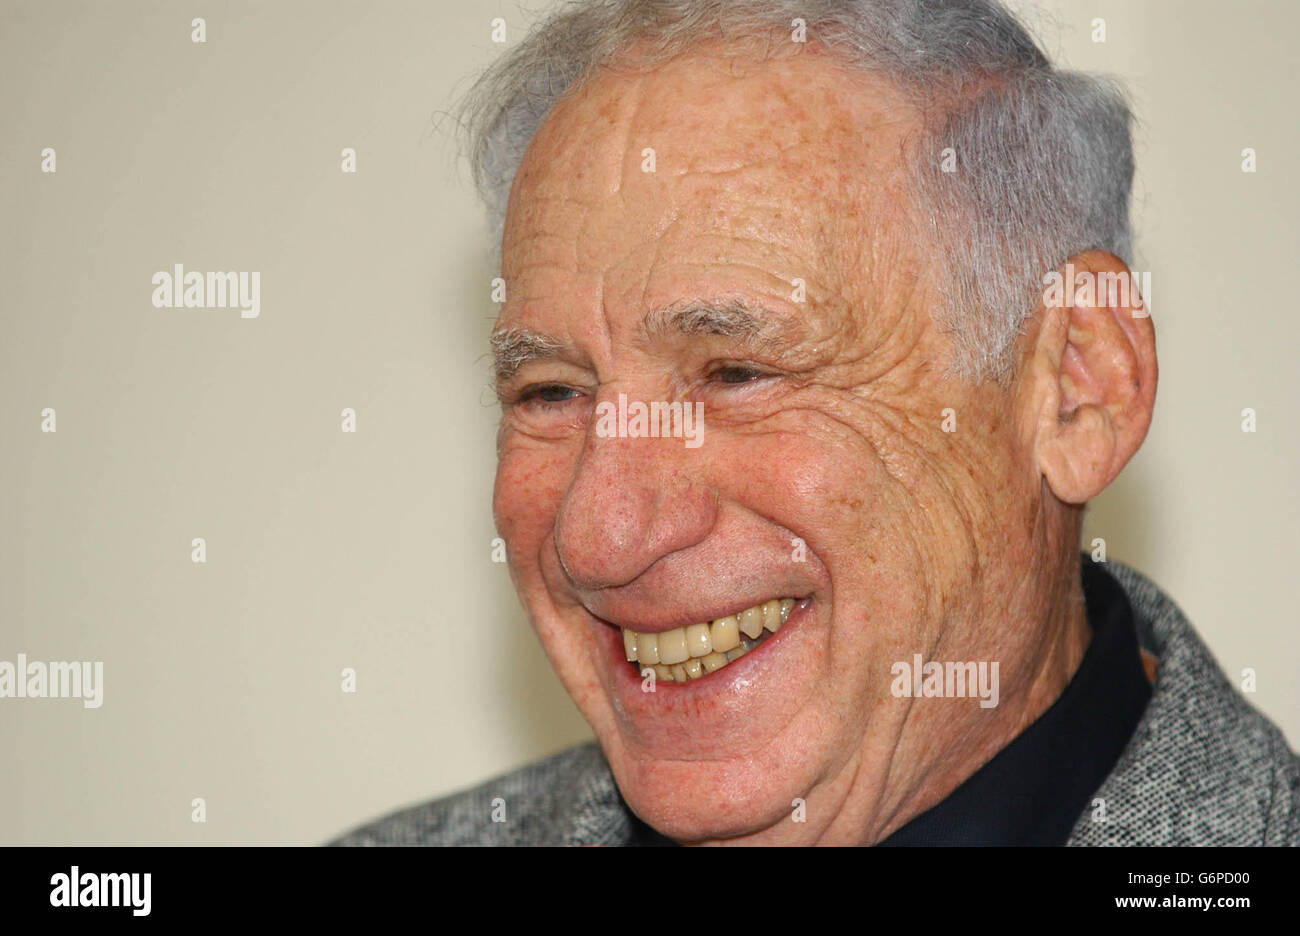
{"x": 712, "y": 164}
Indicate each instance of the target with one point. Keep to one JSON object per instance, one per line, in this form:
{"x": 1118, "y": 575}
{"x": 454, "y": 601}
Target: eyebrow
{"x": 734, "y": 318}
{"x": 516, "y": 346}
{"x": 728, "y": 318}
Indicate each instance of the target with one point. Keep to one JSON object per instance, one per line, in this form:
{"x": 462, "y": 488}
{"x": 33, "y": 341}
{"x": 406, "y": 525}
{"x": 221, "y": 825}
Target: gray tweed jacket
{"x": 1202, "y": 768}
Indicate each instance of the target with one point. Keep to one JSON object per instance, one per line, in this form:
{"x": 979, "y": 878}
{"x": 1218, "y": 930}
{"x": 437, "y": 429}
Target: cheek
{"x": 837, "y": 487}
{"x": 827, "y": 484}
{"x": 830, "y": 489}
{"x": 530, "y": 482}
{"x": 861, "y": 523}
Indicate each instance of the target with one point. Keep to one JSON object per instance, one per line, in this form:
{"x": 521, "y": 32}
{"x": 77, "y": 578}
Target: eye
{"x": 737, "y": 374}
{"x": 548, "y": 393}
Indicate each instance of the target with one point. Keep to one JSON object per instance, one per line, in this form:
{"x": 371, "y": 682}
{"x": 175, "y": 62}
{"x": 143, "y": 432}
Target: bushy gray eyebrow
{"x": 515, "y": 346}
{"x": 730, "y": 318}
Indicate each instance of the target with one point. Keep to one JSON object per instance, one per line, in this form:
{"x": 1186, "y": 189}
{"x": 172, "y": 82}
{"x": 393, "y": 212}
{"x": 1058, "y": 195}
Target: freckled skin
{"x": 918, "y": 540}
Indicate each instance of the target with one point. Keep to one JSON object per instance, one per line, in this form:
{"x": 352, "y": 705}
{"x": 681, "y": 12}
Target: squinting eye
{"x": 737, "y": 374}
{"x": 551, "y": 393}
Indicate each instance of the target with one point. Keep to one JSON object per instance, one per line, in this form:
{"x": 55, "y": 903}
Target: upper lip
{"x": 666, "y": 620}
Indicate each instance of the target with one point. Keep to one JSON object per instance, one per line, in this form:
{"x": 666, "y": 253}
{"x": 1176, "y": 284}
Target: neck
{"x": 1033, "y": 678}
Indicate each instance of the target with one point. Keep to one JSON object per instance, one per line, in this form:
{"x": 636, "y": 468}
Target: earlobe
{"x": 1093, "y": 377}
{"x": 1079, "y": 454}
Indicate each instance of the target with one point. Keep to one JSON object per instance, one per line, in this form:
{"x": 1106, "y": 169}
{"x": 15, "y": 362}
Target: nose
{"x": 630, "y": 504}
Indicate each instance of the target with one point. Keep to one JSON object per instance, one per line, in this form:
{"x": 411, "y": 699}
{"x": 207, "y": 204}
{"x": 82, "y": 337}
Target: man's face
{"x": 825, "y": 474}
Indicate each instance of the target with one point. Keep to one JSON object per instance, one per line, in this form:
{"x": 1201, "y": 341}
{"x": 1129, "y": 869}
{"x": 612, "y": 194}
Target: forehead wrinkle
{"x": 536, "y": 228}
{"x": 631, "y": 118}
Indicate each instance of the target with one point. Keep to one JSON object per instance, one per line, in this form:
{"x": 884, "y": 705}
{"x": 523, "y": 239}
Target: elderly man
{"x": 854, "y": 611}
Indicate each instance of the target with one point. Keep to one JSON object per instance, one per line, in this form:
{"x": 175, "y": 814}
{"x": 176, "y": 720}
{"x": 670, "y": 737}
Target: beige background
{"x": 371, "y": 550}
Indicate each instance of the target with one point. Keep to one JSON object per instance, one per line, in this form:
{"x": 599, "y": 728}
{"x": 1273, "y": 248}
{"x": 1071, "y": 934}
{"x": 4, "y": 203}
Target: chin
{"x": 700, "y": 801}
{"x": 725, "y": 754}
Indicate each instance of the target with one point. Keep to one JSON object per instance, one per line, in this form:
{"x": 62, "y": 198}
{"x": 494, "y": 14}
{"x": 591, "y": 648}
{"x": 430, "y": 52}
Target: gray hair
{"x": 1043, "y": 158}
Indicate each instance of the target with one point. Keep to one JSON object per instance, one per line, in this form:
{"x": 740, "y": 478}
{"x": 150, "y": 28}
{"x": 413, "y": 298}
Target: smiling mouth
{"x": 692, "y": 652}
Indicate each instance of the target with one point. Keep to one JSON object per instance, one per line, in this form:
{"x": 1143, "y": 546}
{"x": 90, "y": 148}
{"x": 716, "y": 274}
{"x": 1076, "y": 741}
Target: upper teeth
{"x": 690, "y": 652}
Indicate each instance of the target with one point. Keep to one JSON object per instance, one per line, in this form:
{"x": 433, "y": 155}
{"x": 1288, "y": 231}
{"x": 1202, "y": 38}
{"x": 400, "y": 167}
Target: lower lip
{"x": 629, "y": 679}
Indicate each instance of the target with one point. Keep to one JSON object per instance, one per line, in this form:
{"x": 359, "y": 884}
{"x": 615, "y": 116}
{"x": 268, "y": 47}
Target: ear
{"x": 1089, "y": 383}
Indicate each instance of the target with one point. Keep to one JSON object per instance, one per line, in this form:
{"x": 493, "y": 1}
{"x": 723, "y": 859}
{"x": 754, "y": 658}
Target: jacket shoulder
{"x": 566, "y": 799}
{"x": 1203, "y": 767}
